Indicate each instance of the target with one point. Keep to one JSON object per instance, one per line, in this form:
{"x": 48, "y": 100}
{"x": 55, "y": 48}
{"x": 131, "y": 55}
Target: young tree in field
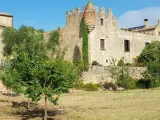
{"x": 26, "y": 50}
{"x": 36, "y": 74}
{"x": 50, "y": 79}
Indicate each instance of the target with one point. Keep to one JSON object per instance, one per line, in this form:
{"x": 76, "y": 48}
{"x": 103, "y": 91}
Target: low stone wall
{"x": 97, "y": 74}
{"x": 3, "y": 88}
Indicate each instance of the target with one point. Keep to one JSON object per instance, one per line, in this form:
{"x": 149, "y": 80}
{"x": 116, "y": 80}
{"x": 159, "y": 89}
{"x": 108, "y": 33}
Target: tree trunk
{"x": 28, "y": 104}
{"x": 45, "y": 112}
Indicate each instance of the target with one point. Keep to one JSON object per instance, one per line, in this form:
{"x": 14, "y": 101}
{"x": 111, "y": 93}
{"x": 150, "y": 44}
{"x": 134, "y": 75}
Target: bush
{"x": 90, "y": 87}
{"x": 121, "y": 62}
{"x": 108, "y": 85}
{"x": 126, "y": 82}
{"x": 79, "y": 84}
{"x": 143, "y": 84}
{"x": 124, "y": 79}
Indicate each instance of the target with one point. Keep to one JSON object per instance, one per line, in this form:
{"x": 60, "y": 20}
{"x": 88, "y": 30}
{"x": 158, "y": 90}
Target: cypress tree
{"x": 85, "y": 45}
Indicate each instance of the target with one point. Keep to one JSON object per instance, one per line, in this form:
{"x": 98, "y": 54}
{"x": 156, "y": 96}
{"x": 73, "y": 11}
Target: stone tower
{"x": 90, "y": 16}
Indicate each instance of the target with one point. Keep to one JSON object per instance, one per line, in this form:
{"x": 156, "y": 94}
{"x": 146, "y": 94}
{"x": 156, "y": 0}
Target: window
{"x": 146, "y": 44}
{"x": 126, "y": 45}
{"x": 101, "y": 21}
{"x": 102, "y": 44}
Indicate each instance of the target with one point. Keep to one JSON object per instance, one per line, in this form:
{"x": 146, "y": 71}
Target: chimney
{"x": 145, "y": 22}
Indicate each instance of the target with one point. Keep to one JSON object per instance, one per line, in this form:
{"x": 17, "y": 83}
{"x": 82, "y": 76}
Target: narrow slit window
{"x": 102, "y": 21}
{"x": 102, "y": 44}
{"x": 126, "y": 45}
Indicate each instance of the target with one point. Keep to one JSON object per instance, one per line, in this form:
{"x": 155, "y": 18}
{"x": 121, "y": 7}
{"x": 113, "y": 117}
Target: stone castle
{"x": 105, "y": 39}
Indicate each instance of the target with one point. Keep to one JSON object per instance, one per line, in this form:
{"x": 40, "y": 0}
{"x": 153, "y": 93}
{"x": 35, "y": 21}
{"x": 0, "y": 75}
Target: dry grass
{"x": 101, "y": 105}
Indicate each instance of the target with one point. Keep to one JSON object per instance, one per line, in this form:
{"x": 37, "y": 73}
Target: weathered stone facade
{"x": 106, "y": 28}
{"x": 6, "y": 20}
{"x": 98, "y": 74}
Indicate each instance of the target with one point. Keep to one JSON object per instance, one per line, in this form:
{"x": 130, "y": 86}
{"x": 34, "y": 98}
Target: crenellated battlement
{"x": 77, "y": 11}
{"x": 73, "y": 12}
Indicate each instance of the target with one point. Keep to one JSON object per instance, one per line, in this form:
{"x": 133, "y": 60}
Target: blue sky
{"x": 49, "y": 14}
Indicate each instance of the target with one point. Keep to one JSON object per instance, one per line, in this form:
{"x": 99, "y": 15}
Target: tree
{"x": 150, "y": 53}
{"x": 150, "y": 56}
{"x": 26, "y": 49}
{"x": 35, "y": 74}
{"x": 50, "y": 79}
{"x": 8, "y": 36}
{"x": 85, "y": 45}
{"x": 53, "y": 41}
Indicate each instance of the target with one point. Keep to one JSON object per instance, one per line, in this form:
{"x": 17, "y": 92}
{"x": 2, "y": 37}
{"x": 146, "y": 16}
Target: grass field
{"x": 81, "y": 105}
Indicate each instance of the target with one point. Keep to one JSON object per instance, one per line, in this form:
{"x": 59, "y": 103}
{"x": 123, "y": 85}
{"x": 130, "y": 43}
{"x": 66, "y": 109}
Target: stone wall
{"x": 1, "y": 45}
{"x": 98, "y": 74}
{"x": 71, "y": 36}
{"x": 6, "y": 21}
{"x": 114, "y": 40}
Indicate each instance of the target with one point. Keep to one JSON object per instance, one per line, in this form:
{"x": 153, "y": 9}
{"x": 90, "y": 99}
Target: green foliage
{"x": 125, "y": 80}
{"x": 90, "y": 87}
{"x": 9, "y": 37}
{"x": 150, "y": 56}
{"x": 150, "y": 53}
{"x": 121, "y": 62}
{"x": 137, "y": 63}
{"x": 85, "y": 46}
{"x": 79, "y": 84}
{"x": 51, "y": 78}
{"x": 113, "y": 70}
{"x": 53, "y": 42}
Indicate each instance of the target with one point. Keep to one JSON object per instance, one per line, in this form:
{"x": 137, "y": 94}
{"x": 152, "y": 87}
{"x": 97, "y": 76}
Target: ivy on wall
{"x": 85, "y": 45}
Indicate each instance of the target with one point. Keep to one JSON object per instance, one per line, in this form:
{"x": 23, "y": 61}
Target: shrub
{"x": 126, "y": 82}
{"x": 98, "y": 85}
{"x": 90, "y": 87}
{"x": 143, "y": 84}
{"x": 121, "y": 62}
{"x": 79, "y": 84}
{"x": 108, "y": 85}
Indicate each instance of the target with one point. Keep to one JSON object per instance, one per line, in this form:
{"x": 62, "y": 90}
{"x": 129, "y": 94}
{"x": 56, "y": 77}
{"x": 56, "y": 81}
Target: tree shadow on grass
{"x": 10, "y": 94}
{"x": 35, "y": 112}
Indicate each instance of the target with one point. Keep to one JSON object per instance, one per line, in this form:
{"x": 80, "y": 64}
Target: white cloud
{"x": 136, "y": 18}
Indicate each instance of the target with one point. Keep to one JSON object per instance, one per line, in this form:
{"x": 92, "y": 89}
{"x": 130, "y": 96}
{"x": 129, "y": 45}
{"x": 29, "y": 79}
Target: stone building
{"x": 6, "y": 20}
{"x": 106, "y": 39}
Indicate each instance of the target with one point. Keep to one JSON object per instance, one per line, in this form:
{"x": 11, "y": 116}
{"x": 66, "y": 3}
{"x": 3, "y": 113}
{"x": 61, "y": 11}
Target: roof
{"x": 5, "y": 14}
{"x": 134, "y": 28}
{"x": 142, "y": 28}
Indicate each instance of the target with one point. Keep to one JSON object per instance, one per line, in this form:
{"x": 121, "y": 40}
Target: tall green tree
{"x": 150, "y": 56}
{"x": 150, "y": 53}
{"x": 85, "y": 45}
